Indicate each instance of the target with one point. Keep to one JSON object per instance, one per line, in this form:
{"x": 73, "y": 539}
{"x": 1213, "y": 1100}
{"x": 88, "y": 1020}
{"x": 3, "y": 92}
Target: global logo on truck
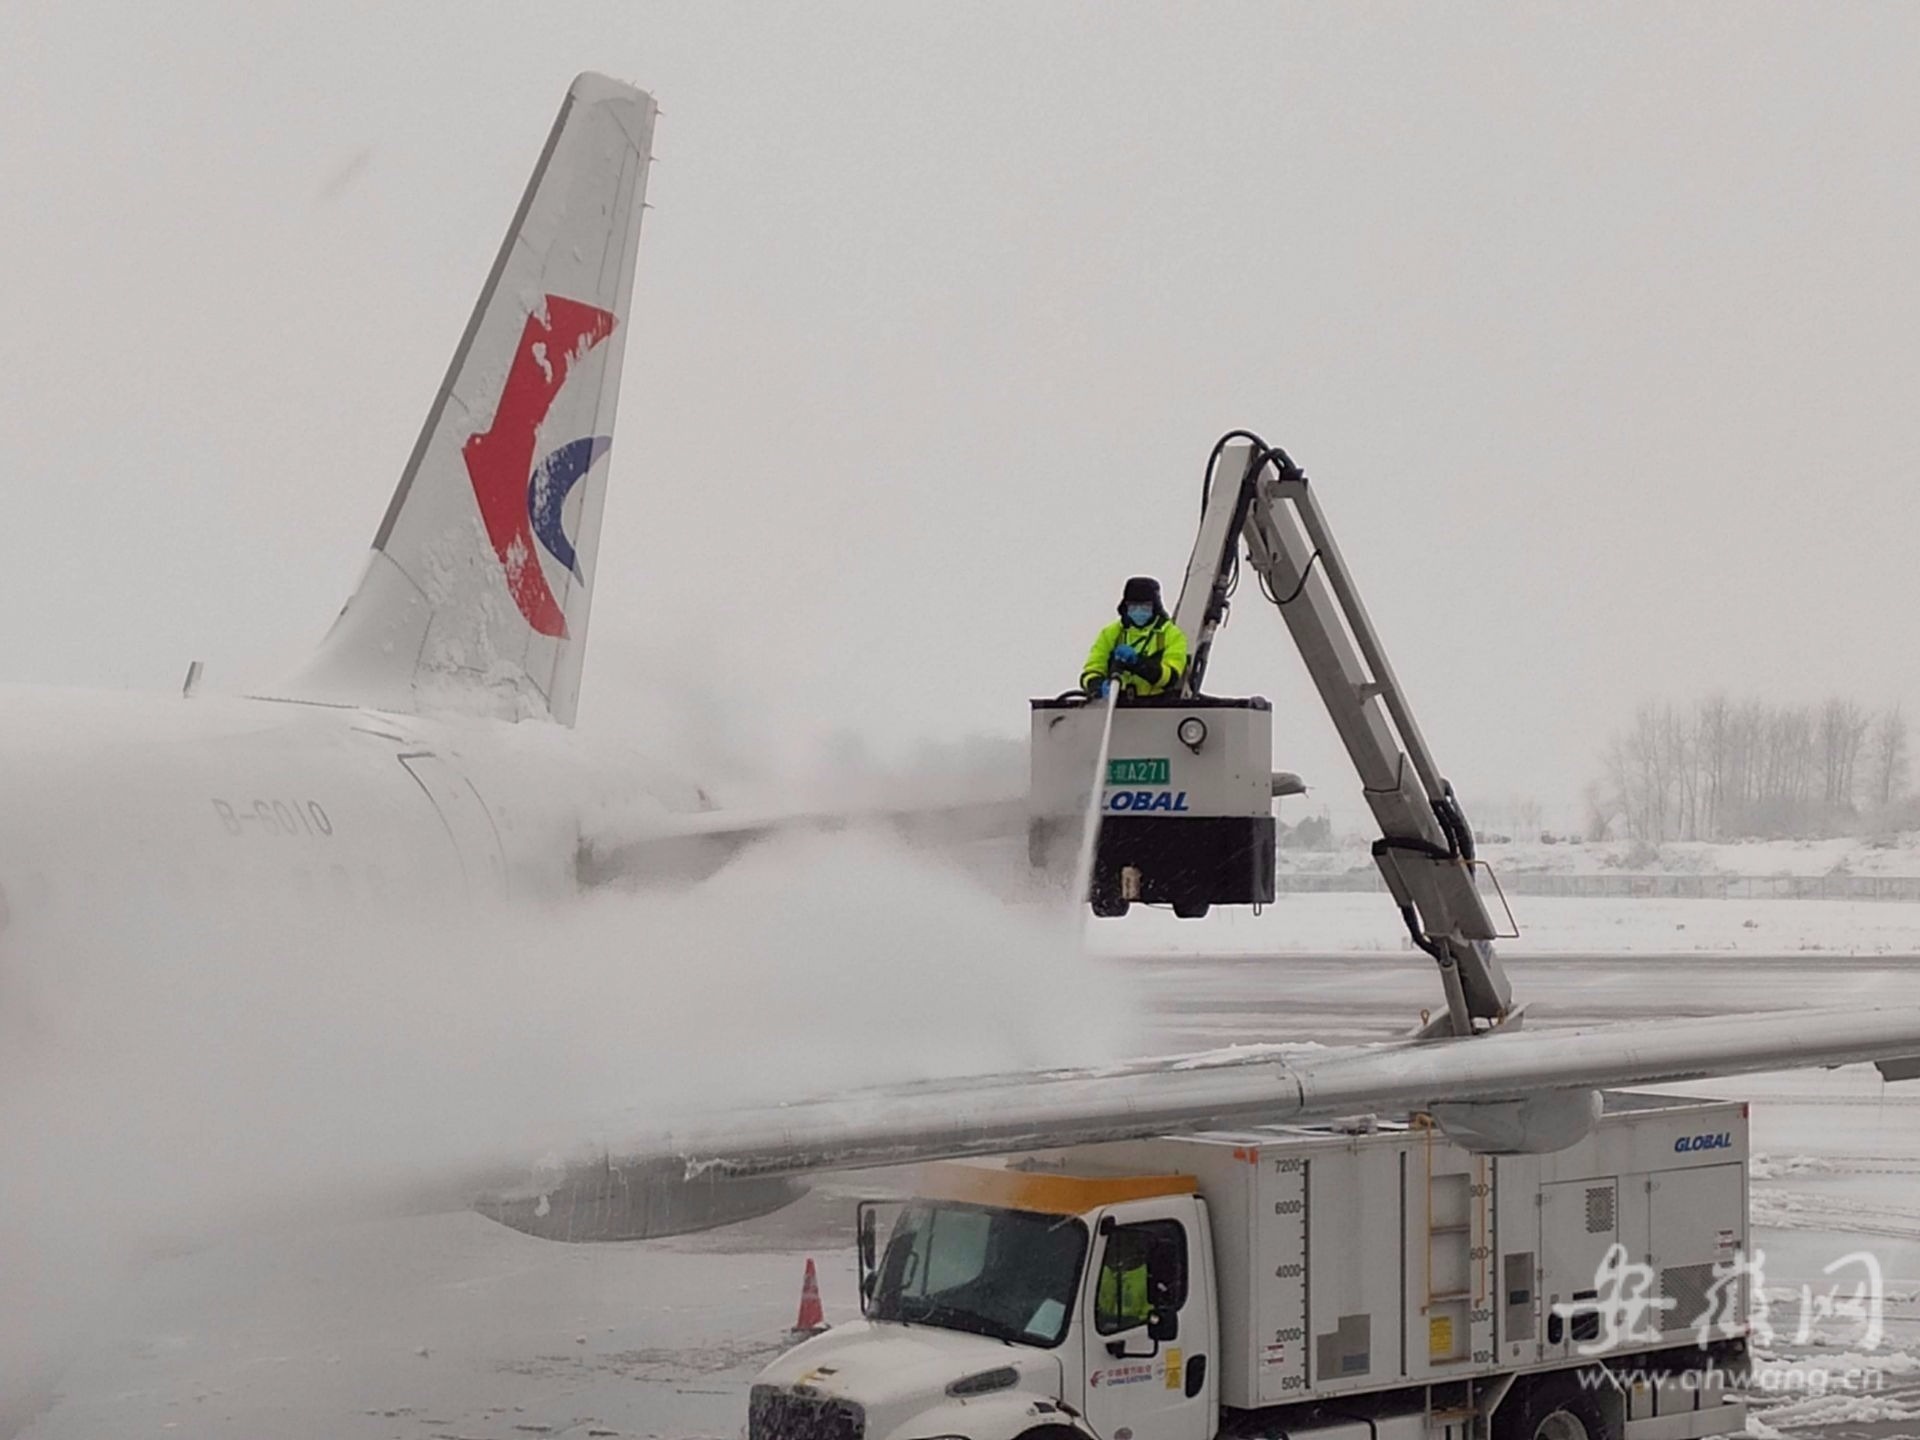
{"x": 1686, "y": 1144}
{"x": 1136, "y": 772}
{"x": 521, "y": 502}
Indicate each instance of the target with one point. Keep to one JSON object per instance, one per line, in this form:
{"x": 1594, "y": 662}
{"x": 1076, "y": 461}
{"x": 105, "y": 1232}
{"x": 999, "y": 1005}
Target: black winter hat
{"x": 1141, "y": 590}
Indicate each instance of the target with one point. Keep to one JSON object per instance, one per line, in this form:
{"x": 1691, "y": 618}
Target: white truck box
{"x": 1355, "y": 1262}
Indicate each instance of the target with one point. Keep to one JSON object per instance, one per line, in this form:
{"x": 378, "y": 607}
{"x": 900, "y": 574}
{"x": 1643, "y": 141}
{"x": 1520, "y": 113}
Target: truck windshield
{"x": 1009, "y": 1274}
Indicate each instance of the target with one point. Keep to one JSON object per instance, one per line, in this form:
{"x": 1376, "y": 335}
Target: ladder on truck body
{"x": 1425, "y": 851}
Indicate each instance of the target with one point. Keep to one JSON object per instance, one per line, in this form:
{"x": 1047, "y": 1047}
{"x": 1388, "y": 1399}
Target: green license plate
{"x": 1138, "y": 772}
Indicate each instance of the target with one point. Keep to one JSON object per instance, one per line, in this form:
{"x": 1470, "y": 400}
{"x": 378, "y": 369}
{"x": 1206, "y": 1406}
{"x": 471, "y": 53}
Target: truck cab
{"x": 1013, "y": 1302}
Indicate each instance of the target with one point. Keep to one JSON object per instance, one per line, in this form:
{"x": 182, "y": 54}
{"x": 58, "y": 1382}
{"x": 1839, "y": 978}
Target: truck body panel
{"x": 1351, "y": 1262}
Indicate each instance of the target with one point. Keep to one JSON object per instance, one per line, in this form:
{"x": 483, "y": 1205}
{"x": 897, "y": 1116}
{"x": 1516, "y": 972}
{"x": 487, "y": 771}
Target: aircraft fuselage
{"x": 202, "y": 801}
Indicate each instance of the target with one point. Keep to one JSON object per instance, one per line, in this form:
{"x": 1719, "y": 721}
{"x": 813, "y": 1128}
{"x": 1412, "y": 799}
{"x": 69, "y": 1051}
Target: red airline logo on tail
{"x": 500, "y": 458}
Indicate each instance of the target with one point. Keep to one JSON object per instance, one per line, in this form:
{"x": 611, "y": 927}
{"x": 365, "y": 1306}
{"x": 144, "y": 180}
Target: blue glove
{"x": 1125, "y": 654}
{"x": 1096, "y": 687}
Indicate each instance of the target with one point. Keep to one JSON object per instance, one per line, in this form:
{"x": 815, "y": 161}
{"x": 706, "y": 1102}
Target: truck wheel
{"x": 1053, "y": 1432}
{"x": 1107, "y": 907}
{"x": 1553, "y": 1407}
{"x": 1191, "y": 909}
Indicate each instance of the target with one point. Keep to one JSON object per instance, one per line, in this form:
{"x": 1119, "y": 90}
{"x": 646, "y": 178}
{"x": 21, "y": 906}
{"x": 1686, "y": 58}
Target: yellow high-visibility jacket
{"x": 1161, "y": 639}
{"x": 1121, "y": 1300}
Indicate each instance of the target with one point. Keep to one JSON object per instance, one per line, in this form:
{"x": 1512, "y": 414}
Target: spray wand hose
{"x": 1090, "y": 824}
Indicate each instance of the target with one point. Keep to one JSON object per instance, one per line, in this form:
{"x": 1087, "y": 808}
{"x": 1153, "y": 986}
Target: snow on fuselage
{"x": 202, "y": 801}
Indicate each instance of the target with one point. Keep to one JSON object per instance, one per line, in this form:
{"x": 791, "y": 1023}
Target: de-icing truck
{"x": 1372, "y": 1281}
{"x": 1579, "y": 1275}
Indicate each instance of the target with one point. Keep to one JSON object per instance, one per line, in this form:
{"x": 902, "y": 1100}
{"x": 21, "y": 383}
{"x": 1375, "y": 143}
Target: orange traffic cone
{"x": 812, "y": 1318}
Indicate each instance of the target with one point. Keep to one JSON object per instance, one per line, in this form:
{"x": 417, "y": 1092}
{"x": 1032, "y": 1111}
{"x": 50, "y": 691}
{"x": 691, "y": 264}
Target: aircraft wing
{"x": 1477, "y": 1083}
{"x": 617, "y": 860}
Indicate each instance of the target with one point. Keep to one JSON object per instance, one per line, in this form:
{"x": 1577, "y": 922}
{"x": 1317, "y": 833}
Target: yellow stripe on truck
{"x": 1048, "y": 1192}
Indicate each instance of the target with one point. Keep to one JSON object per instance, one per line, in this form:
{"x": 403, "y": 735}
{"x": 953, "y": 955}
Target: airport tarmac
{"x": 441, "y": 1326}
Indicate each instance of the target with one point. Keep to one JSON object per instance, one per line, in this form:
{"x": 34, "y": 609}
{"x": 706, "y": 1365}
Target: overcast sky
{"x": 1596, "y": 326}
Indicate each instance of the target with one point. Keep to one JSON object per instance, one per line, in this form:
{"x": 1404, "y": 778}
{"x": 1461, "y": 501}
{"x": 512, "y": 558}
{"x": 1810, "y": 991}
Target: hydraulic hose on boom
{"x": 1254, "y": 492}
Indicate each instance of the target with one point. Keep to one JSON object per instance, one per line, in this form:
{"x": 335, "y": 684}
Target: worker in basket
{"x": 1143, "y": 651}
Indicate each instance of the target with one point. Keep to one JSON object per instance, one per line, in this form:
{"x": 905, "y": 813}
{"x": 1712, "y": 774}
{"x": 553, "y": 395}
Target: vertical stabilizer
{"x": 475, "y": 598}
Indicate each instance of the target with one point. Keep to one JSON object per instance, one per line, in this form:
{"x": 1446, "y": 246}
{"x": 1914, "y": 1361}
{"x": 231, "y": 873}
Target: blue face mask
{"x": 1139, "y": 615}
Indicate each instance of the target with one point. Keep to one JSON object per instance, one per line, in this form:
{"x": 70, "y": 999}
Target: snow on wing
{"x": 993, "y": 1115}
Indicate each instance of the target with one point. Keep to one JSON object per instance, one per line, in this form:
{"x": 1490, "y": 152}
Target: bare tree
{"x": 1713, "y": 746}
{"x": 1677, "y": 732}
{"x": 1722, "y": 769}
{"x": 1842, "y": 731}
{"x": 1601, "y": 808}
{"x": 1887, "y": 758}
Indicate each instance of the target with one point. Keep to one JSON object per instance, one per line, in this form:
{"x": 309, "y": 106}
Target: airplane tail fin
{"x": 476, "y": 595}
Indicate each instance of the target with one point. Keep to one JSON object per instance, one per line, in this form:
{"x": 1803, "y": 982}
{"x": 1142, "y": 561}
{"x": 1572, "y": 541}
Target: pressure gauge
{"x": 1193, "y": 733}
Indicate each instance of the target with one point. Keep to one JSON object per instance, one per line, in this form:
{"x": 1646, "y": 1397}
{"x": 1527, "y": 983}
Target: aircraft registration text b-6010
{"x": 275, "y": 817}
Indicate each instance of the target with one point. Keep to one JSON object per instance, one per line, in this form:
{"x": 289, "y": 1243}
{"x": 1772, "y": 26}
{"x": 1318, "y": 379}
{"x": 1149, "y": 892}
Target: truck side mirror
{"x": 1121, "y": 1346}
{"x": 1163, "y": 1326}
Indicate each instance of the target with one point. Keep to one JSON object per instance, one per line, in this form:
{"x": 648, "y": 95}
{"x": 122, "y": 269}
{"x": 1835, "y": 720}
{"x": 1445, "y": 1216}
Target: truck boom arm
{"x": 1425, "y": 851}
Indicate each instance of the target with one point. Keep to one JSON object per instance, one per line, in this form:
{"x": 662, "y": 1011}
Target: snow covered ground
{"x": 1549, "y": 925}
{"x": 1851, "y": 855}
{"x": 445, "y": 1326}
